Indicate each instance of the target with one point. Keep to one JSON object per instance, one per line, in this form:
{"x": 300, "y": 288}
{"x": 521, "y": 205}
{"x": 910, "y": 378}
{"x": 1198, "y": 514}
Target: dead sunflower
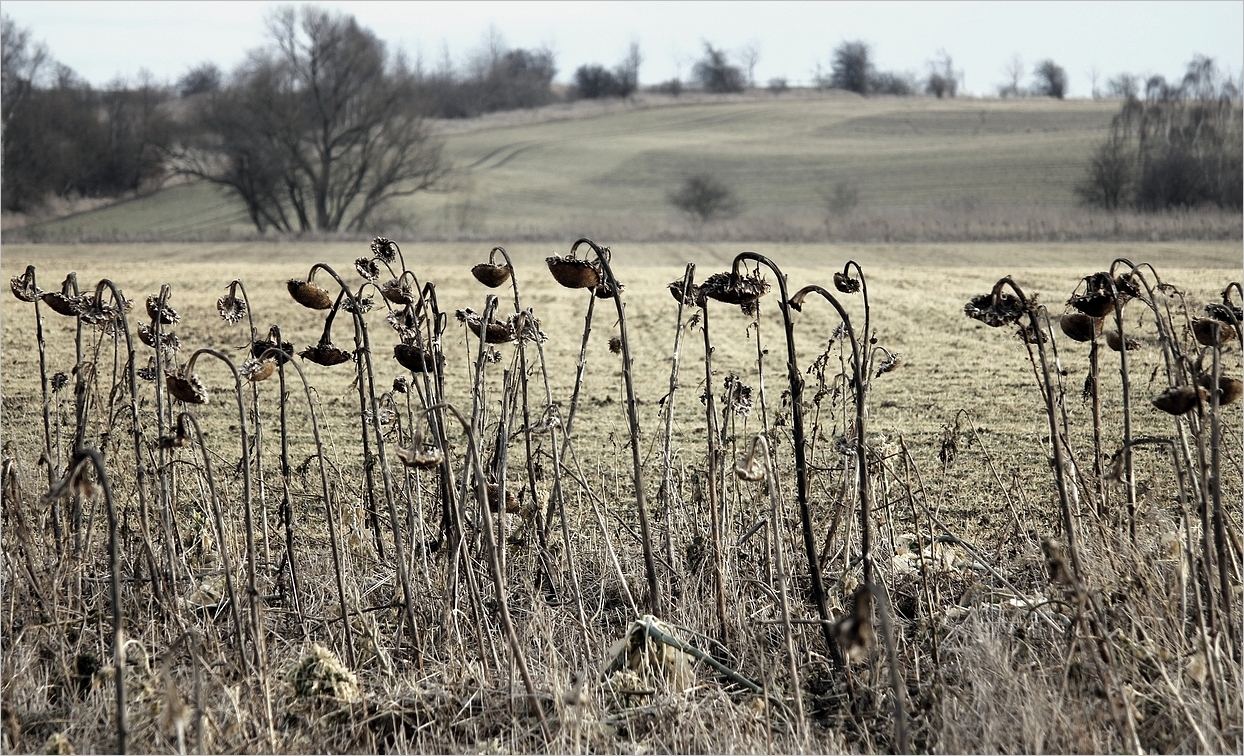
{"x": 161, "y": 311}
{"x": 24, "y": 287}
{"x": 1080, "y": 326}
{"x": 735, "y": 290}
{"x": 324, "y": 353}
{"x": 994, "y": 310}
{"x": 186, "y": 386}
{"x": 1177, "y": 400}
{"x": 573, "y": 273}
{"x": 1231, "y": 388}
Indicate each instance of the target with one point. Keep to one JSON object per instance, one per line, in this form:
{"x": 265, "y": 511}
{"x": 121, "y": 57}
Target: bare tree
{"x": 1094, "y": 73}
{"x": 22, "y": 63}
{"x": 316, "y": 131}
{"x": 628, "y": 69}
{"x": 749, "y": 56}
{"x": 1014, "y": 72}
{"x": 703, "y": 196}
{"x": 1050, "y": 80}
{"x": 943, "y": 80}
{"x": 852, "y": 67}
{"x": 714, "y": 72}
{"x": 205, "y": 77}
{"x": 1124, "y": 85}
{"x": 1179, "y": 147}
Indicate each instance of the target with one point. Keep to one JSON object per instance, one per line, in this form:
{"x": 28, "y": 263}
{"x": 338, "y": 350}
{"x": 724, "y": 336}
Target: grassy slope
{"x": 780, "y": 154}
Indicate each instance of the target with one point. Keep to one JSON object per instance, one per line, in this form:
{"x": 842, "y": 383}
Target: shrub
{"x": 841, "y": 198}
{"x": 669, "y": 87}
{"x": 715, "y": 74}
{"x": 594, "y": 81}
{"x": 778, "y": 85}
{"x": 852, "y": 67}
{"x": 1051, "y": 80}
{"x": 892, "y": 83}
{"x": 704, "y": 197}
{"x": 943, "y": 81}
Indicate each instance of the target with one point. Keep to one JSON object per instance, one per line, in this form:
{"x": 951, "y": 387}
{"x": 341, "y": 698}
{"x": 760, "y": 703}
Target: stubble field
{"x": 991, "y": 652}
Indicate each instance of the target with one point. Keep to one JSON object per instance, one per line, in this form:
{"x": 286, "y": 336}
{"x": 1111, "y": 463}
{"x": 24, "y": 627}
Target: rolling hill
{"x": 610, "y": 169}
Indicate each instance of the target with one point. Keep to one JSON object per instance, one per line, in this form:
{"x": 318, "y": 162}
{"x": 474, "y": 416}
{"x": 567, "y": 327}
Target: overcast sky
{"x": 101, "y": 40}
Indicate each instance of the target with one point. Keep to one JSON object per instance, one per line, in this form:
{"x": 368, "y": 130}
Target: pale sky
{"x": 101, "y": 40}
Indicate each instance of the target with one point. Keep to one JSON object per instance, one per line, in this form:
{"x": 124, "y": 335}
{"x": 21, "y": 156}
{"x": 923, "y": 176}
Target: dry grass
{"x": 981, "y": 674}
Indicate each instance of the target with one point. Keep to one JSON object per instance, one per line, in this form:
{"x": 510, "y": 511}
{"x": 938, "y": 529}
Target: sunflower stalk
{"x": 654, "y": 586}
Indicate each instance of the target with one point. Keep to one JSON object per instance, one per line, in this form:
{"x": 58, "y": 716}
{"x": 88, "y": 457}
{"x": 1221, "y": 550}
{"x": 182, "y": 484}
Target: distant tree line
{"x": 1178, "y": 146}
{"x": 321, "y": 127}
{"x": 63, "y": 137}
{"x": 1048, "y": 80}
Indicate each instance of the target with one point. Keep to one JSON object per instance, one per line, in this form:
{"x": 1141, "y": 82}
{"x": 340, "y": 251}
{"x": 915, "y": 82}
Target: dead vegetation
{"x": 471, "y": 559}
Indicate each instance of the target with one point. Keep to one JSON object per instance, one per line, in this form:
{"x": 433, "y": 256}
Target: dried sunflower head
{"x": 97, "y": 313}
{"x": 358, "y": 305}
{"x": 573, "y": 273}
{"x": 24, "y": 287}
{"x": 398, "y": 291}
{"x": 414, "y": 358}
{"x": 1230, "y": 388}
{"x": 1204, "y": 330}
{"x": 1098, "y": 298}
{"x": 161, "y": 311}
{"x": 324, "y": 353}
{"x": 994, "y": 311}
{"x": 405, "y": 323}
{"x": 491, "y": 275}
{"x": 384, "y": 249}
{"x": 421, "y": 455}
{"x": 689, "y": 296}
{"x": 187, "y": 387}
{"x": 1080, "y": 326}
{"x": 749, "y": 468}
{"x": 615, "y": 345}
{"x": 309, "y": 294}
{"x": 284, "y": 350}
{"x": 1115, "y": 342}
{"x": 605, "y": 290}
{"x": 167, "y": 340}
{"x": 495, "y": 332}
{"x": 1127, "y": 285}
{"x": 255, "y": 370}
{"x": 65, "y": 304}
{"x": 232, "y": 307}
{"x": 1225, "y": 313}
{"x": 891, "y": 362}
{"x": 740, "y": 290}
{"x": 526, "y": 326}
{"x": 1177, "y": 400}
{"x": 846, "y": 284}
{"x": 368, "y": 268}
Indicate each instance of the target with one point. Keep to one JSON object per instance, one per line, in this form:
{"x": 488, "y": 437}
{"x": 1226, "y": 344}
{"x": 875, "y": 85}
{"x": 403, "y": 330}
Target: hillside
{"x": 607, "y": 172}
